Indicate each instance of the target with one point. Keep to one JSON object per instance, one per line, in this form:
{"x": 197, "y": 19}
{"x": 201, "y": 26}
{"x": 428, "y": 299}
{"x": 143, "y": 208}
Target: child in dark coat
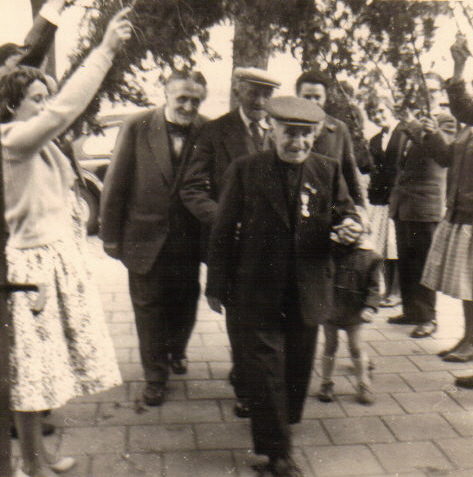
{"x": 358, "y": 283}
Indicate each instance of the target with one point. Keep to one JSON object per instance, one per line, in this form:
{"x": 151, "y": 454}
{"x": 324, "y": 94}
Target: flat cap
{"x": 256, "y": 75}
{"x": 292, "y": 110}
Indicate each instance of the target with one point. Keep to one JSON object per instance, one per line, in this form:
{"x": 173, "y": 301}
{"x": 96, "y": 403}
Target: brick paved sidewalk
{"x": 420, "y": 425}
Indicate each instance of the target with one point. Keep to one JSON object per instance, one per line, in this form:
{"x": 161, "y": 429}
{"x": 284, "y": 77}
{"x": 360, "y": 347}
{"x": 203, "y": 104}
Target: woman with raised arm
{"x": 64, "y": 350}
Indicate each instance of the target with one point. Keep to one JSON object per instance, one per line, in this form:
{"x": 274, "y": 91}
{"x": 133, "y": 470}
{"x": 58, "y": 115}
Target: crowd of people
{"x": 269, "y": 196}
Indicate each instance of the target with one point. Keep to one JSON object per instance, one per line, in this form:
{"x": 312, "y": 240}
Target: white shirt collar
{"x": 263, "y": 124}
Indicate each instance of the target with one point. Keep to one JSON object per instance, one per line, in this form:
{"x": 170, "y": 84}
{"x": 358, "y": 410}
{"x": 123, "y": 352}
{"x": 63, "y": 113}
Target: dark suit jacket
{"x": 141, "y": 188}
{"x": 420, "y": 190}
{"x": 385, "y": 165}
{"x": 254, "y": 269}
{"x": 335, "y": 141}
{"x": 220, "y": 142}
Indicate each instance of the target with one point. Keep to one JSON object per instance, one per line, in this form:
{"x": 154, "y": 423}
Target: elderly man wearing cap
{"x": 277, "y": 276}
{"x": 238, "y": 133}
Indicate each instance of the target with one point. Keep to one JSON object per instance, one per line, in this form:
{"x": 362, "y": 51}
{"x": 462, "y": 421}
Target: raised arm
{"x": 26, "y": 137}
{"x": 39, "y": 39}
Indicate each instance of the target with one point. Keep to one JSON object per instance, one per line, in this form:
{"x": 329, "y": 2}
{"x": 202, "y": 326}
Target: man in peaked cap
{"x": 277, "y": 277}
{"x": 238, "y": 133}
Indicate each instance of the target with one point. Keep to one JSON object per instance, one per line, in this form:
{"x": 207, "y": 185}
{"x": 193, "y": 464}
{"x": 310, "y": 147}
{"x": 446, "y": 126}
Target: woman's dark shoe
{"x": 424, "y": 330}
{"x": 444, "y": 352}
{"x": 464, "y": 382}
{"x": 284, "y": 467}
{"x": 325, "y": 393}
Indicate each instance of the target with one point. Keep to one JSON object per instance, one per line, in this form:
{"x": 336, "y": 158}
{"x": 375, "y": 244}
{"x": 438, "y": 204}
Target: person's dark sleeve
{"x": 221, "y": 259}
{"x": 343, "y": 206}
{"x": 38, "y": 42}
{"x": 114, "y": 197}
{"x": 197, "y": 187}
{"x": 461, "y": 103}
{"x": 349, "y": 167}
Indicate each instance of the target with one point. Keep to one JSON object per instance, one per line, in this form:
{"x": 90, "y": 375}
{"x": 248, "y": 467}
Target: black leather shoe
{"x": 464, "y": 382}
{"x": 424, "y": 329}
{"x": 46, "y": 428}
{"x": 402, "y": 320}
{"x": 284, "y": 467}
{"x": 458, "y": 357}
{"x": 178, "y": 365}
{"x": 242, "y": 408}
{"x": 154, "y": 394}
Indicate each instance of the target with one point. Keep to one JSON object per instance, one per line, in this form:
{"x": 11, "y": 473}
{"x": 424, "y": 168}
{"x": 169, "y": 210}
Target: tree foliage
{"x": 350, "y": 38}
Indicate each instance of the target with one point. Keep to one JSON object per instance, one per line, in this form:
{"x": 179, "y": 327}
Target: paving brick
{"x": 394, "y": 364}
{"x": 129, "y": 340}
{"x": 117, "y": 393}
{"x": 397, "y": 348}
{"x": 464, "y": 397}
{"x": 116, "y": 329}
{"x": 462, "y": 422}
{"x": 229, "y": 435}
{"x": 434, "y": 363}
{"x": 428, "y": 380}
{"x": 220, "y": 369}
{"x": 92, "y": 440}
{"x": 170, "y": 437}
{"x": 309, "y": 432}
{"x": 458, "y": 451}
{"x": 75, "y": 414}
{"x": 419, "y": 427}
{"x": 196, "y": 370}
{"x": 128, "y": 465}
{"x": 209, "y": 389}
{"x": 208, "y": 353}
{"x": 127, "y": 414}
{"x": 200, "y": 464}
{"x": 427, "y": 401}
{"x": 131, "y": 371}
{"x": 191, "y": 412}
{"x": 388, "y": 383}
{"x": 384, "y": 405}
{"x": 342, "y": 461}
{"x": 314, "y": 409}
{"x": 215, "y": 339}
{"x": 412, "y": 456}
{"x": 357, "y": 430}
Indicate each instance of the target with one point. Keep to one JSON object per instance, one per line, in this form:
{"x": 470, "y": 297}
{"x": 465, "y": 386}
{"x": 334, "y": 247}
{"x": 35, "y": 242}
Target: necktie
{"x": 256, "y": 135}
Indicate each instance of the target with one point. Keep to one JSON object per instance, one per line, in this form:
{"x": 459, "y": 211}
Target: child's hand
{"x": 367, "y": 314}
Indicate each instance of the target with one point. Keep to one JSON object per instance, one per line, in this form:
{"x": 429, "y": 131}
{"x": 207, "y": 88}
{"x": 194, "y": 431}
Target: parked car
{"x": 94, "y": 151}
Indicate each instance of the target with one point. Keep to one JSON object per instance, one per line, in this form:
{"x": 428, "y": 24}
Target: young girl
{"x": 358, "y": 279}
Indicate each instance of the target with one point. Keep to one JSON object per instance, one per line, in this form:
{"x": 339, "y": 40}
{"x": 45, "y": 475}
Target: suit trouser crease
{"x": 413, "y": 243}
{"x": 165, "y": 306}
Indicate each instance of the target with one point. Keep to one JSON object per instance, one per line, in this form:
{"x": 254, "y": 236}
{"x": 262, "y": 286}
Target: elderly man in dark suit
{"x": 145, "y": 225}
{"x": 417, "y": 204}
{"x": 238, "y": 133}
{"x": 277, "y": 275}
{"x": 332, "y": 137}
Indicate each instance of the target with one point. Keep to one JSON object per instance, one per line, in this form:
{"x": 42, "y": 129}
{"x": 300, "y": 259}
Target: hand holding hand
{"x": 215, "y": 304}
{"x": 118, "y": 31}
{"x": 348, "y": 231}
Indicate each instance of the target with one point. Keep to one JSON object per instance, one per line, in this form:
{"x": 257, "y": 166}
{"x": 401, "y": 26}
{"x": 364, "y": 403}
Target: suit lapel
{"x": 271, "y": 184}
{"x": 159, "y": 143}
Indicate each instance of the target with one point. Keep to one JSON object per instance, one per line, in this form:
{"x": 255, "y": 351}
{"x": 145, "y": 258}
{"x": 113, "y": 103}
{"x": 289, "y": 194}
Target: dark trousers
{"x": 165, "y": 305}
{"x": 237, "y": 337}
{"x": 277, "y": 363}
{"x": 413, "y": 243}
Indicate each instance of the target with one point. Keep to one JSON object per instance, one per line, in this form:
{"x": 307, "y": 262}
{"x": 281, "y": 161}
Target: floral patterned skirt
{"x": 65, "y": 351}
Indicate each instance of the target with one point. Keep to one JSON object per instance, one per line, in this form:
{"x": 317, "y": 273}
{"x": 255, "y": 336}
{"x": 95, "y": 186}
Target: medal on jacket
{"x": 304, "y": 204}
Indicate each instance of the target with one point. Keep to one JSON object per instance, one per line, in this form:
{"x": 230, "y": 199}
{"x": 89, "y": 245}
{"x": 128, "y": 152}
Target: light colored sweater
{"x": 37, "y": 188}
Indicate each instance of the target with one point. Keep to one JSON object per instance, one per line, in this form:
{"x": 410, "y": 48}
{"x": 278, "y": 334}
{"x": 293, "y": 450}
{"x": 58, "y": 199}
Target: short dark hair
{"x": 9, "y": 49}
{"x": 435, "y": 76}
{"x": 373, "y": 102}
{"x": 192, "y": 75}
{"x": 13, "y": 88}
{"x": 314, "y": 77}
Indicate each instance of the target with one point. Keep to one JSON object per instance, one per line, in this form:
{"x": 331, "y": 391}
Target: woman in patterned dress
{"x": 65, "y": 350}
